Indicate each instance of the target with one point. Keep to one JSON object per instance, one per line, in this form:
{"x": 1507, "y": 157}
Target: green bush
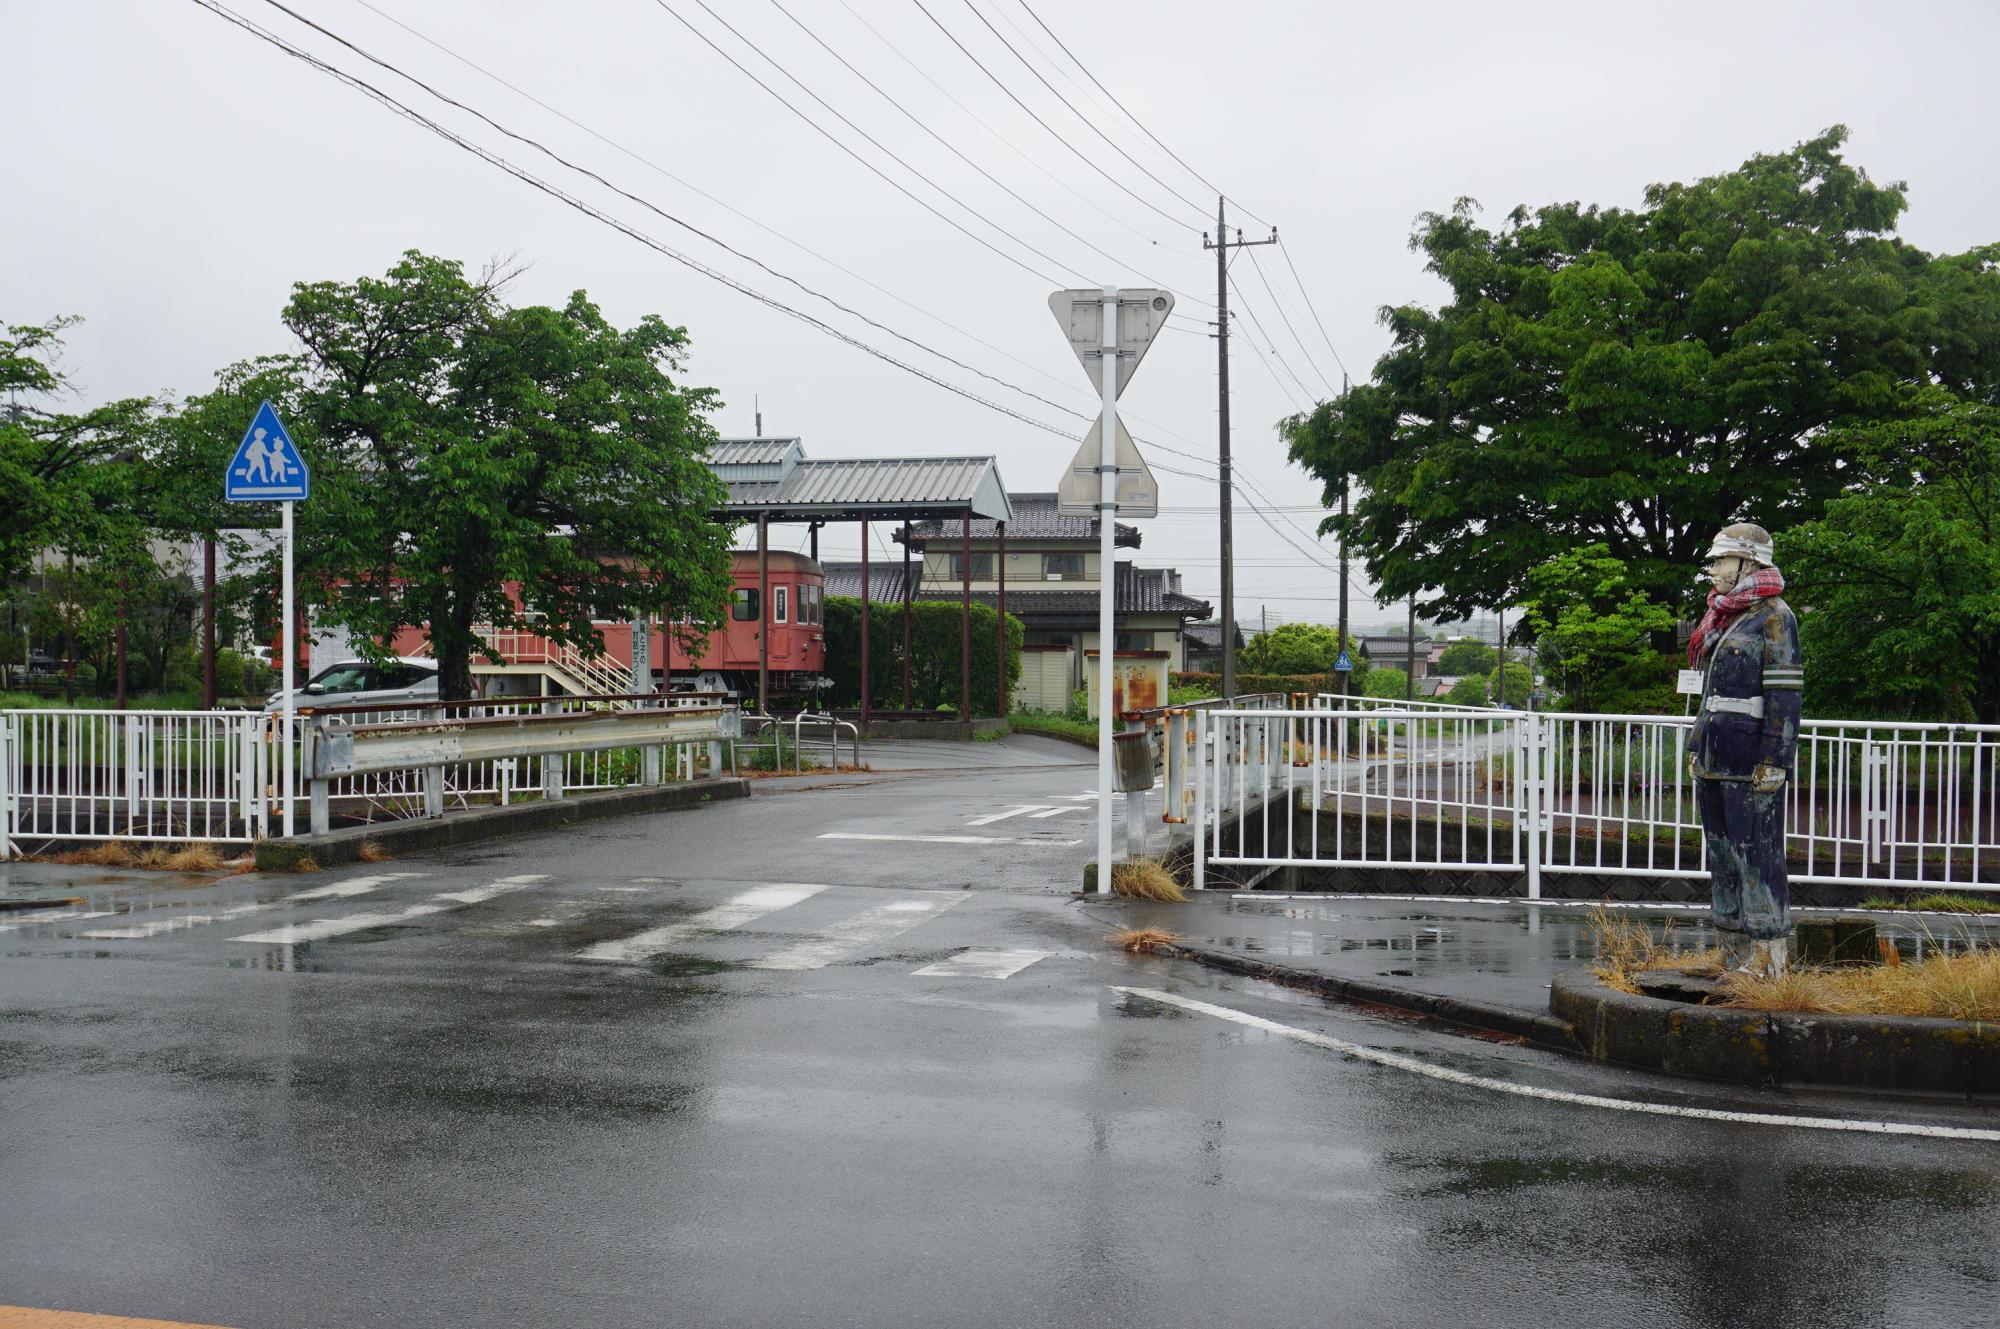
{"x": 935, "y": 637}
{"x": 183, "y": 670}
{"x": 1468, "y": 691}
{"x": 231, "y": 673}
{"x": 1079, "y": 705}
{"x": 1310, "y": 684}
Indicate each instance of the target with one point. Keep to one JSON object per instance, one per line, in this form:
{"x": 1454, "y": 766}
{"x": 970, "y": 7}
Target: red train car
{"x": 794, "y": 617}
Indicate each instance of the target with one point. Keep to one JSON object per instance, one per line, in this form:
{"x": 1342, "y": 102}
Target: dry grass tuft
{"x": 1965, "y": 986}
{"x": 111, "y": 854}
{"x": 191, "y": 858}
{"x": 371, "y": 852}
{"x": 305, "y": 863}
{"x": 1144, "y": 879}
{"x": 1626, "y": 946}
{"x": 1143, "y": 941}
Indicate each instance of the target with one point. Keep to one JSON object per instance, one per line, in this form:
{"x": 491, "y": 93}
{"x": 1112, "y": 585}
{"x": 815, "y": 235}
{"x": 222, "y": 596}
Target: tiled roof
{"x": 1208, "y": 636}
{"x": 1394, "y": 648}
{"x": 1140, "y": 591}
{"x": 1035, "y": 518}
{"x": 882, "y": 488}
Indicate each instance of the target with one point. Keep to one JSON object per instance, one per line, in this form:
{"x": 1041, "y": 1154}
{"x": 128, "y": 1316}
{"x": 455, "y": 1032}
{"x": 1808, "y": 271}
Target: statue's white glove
{"x": 1767, "y": 779}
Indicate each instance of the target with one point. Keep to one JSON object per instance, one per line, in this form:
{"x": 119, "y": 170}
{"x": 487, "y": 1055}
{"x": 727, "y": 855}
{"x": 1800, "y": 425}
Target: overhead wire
{"x": 649, "y": 205}
{"x": 953, "y": 148}
{"x": 1307, "y": 296}
{"x": 1088, "y": 121}
{"x": 1078, "y": 152}
{"x": 1312, "y": 360}
{"x": 597, "y": 214}
{"x": 1133, "y": 118}
{"x": 833, "y": 138}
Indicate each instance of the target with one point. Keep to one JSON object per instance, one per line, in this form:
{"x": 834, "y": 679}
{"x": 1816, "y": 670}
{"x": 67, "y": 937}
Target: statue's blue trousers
{"x": 1746, "y": 857}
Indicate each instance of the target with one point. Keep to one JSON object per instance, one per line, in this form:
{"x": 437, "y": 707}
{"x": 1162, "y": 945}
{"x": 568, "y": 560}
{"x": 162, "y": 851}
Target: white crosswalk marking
{"x": 982, "y": 964}
{"x": 866, "y": 928}
{"x": 175, "y": 922}
{"x": 733, "y": 913}
{"x": 322, "y": 928}
{"x": 992, "y": 817}
{"x": 1057, "y": 812}
{"x": 944, "y": 839}
{"x": 31, "y": 918}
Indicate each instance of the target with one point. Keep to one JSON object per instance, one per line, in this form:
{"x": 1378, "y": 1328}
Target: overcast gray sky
{"x": 170, "y": 176}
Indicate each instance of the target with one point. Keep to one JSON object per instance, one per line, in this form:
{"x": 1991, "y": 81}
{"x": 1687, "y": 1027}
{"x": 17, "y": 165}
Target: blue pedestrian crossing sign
{"x": 1344, "y": 665}
{"x": 267, "y": 467}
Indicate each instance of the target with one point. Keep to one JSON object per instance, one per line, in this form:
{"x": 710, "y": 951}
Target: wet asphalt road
{"x": 512, "y": 1108}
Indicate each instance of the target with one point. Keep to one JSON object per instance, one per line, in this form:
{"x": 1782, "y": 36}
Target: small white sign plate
{"x": 1690, "y": 682}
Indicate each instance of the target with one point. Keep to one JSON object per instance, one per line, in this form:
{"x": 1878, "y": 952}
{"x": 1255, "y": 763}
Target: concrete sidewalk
{"x": 1480, "y": 964}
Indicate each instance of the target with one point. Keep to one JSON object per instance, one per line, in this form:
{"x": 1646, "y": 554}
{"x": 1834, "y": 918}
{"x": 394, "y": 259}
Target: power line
{"x": 597, "y": 214}
{"x": 834, "y": 139}
{"x": 1089, "y": 121}
{"x": 653, "y": 208}
{"x": 1304, "y": 350}
{"x": 1309, "y": 305}
{"x": 951, "y": 147}
{"x": 1078, "y": 152}
{"x": 1133, "y": 118}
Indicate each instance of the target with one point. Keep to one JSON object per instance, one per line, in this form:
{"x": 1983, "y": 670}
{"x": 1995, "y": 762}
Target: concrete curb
{"x": 1548, "y": 1031}
{"x": 477, "y": 824}
{"x": 1879, "y": 1053}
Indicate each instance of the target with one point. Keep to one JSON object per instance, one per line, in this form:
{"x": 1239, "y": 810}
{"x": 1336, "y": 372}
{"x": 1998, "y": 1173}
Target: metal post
{"x": 965, "y": 622}
{"x": 763, "y": 613}
{"x": 865, "y": 597}
{"x": 1531, "y": 800}
{"x": 208, "y": 623}
{"x": 1346, "y": 675}
{"x": 1107, "y": 531}
{"x": 906, "y": 615}
{"x": 1204, "y": 731}
{"x": 1410, "y": 659}
{"x": 287, "y": 781}
{"x": 813, "y": 530}
{"x": 1000, "y": 659}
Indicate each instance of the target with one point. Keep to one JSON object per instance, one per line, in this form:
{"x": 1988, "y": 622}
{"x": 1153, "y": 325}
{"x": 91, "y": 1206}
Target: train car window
{"x": 780, "y": 602}
{"x": 808, "y": 603}
{"x": 743, "y": 605}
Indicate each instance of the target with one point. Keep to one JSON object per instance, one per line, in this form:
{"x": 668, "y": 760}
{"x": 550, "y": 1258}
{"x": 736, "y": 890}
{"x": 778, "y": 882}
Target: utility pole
{"x": 1222, "y": 244}
{"x": 1410, "y": 678}
{"x": 1346, "y": 675}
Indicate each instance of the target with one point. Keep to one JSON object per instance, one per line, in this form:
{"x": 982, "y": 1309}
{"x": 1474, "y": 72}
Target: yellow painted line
{"x": 27, "y": 1317}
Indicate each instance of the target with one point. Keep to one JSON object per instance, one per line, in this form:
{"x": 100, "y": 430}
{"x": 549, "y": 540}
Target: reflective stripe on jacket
{"x": 1751, "y": 683}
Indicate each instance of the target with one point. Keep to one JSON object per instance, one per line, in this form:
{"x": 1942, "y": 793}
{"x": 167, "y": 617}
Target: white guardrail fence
{"x": 1359, "y": 783}
{"x": 211, "y": 776}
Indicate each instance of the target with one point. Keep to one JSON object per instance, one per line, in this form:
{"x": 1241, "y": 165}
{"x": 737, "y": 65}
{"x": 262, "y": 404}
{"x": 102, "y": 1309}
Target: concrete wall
{"x": 1045, "y": 678}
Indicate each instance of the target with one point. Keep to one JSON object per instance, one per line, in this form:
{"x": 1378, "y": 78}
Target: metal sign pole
{"x": 1107, "y": 524}
{"x": 287, "y": 782}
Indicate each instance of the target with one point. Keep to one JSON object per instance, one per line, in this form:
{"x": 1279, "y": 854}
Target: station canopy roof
{"x": 773, "y": 478}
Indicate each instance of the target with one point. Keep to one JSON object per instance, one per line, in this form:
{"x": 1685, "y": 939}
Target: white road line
{"x": 944, "y": 839}
{"x": 982, "y": 964}
{"x": 992, "y": 817}
{"x": 1415, "y": 1067}
{"x": 733, "y": 913}
{"x": 1057, "y": 812}
{"x": 319, "y": 929}
{"x": 176, "y": 922}
{"x": 866, "y": 928}
{"x": 32, "y": 918}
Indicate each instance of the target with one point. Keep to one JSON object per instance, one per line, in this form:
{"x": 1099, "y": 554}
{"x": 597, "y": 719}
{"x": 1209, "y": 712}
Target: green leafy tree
{"x": 1467, "y": 657}
{"x": 1386, "y": 681}
{"x": 1468, "y": 691}
{"x": 463, "y": 447}
{"x": 1638, "y": 378}
{"x": 1595, "y": 630}
{"x": 1900, "y": 579}
{"x": 1511, "y": 683}
{"x": 1293, "y": 648}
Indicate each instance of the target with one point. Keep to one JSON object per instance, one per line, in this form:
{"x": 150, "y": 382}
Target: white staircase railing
{"x": 596, "y": 673}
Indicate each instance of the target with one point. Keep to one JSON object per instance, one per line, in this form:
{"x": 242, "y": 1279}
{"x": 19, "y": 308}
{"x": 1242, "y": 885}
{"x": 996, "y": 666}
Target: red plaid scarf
{"x": 1761, "y": 584}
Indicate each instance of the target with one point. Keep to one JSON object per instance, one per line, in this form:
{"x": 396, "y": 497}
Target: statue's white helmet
{"x": 1744, "y": 540}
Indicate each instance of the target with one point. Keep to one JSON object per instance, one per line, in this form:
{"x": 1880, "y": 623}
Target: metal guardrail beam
{"x": 341, "y": 750}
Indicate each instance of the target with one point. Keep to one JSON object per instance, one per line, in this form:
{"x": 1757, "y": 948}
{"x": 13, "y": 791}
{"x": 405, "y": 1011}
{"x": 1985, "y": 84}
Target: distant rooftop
{"x": 773, "y": 478}
{"x": 1034, "y": 518}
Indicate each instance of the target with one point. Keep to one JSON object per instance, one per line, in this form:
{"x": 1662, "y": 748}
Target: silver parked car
{"x": 359, "y": 683}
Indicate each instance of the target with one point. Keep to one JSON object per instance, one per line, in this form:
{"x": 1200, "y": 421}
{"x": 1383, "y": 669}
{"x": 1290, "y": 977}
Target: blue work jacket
{"x": 1751, "y": 682}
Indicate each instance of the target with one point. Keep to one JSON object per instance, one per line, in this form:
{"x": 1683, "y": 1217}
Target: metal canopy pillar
{"x": 965, "y": 620}
{"x": 906, "y": 615}
{"x": 763, "y": 614}
{"x": 812, "y": 529}
{"x": 1000, "y": 656}
{"x": 864, "y": 622}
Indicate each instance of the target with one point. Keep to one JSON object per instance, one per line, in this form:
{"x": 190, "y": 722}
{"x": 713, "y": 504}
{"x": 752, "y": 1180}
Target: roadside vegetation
{"x": 1941, "y": 903}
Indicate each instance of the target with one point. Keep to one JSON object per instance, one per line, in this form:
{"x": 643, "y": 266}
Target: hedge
{"x": 934, "y": 654}
{"x": 1310, "y": 684}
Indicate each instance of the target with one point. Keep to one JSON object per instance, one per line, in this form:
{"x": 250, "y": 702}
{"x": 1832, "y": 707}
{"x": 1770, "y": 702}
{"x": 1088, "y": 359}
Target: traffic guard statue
{"x": 1745, "y": 745}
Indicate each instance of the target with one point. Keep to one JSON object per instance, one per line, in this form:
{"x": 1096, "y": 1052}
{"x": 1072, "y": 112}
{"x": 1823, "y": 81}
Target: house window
{"x": 743, "y": 605}
{"x": 1062, "y": 567}
{"x": 982, "y": 567}
{"x": 780, "y": 604}
{"x": 1133, "y": 641}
